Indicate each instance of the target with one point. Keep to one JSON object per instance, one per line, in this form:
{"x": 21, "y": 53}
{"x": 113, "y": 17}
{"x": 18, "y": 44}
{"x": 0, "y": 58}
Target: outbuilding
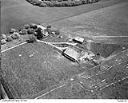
{"x": 78, "y": 40}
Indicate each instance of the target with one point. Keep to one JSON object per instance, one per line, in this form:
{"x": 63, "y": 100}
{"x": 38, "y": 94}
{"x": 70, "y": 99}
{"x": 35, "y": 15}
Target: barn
{"x": 71, "y": 54}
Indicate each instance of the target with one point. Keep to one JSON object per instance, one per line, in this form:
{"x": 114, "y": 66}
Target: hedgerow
{"x": 60, "y": 3}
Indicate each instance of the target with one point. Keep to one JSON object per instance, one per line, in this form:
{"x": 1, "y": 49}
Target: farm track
{"x": 13, "y": 47}
{"x": 73, "y": 44}
{"x": 48, "y": 43}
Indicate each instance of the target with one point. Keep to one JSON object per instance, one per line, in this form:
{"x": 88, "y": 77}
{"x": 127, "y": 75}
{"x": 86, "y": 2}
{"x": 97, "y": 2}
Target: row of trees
{"x": 60, "y": 3}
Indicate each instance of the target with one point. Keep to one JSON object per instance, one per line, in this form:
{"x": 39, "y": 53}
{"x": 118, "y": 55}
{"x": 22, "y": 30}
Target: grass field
{"x": 32, "y": 68}
{"x": 15, "y": 13}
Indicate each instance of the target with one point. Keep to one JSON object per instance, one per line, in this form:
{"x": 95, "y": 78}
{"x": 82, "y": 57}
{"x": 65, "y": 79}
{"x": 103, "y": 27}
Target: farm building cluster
{"x": 72, "y": 50}
{"x": 76, "y": 54}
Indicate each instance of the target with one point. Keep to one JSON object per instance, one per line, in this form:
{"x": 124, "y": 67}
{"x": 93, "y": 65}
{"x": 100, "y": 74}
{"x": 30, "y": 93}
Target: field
{"x": 15, "y": 13}
{"x": 32, "y": 68}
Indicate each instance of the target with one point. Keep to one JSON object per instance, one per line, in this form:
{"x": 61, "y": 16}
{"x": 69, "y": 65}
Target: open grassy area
{"x": 32, "y": 68}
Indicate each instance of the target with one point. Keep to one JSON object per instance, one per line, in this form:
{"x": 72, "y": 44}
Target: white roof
{"x": 79, "y": 39}
{"x": 40, "y": 26}
{"x": 72, "y": 53}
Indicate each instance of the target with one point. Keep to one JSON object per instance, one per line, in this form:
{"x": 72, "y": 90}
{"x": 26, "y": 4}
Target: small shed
{"x": 40, "y": 26}
{"x": 78, "y": 40}
{"x": 71, "y": 54}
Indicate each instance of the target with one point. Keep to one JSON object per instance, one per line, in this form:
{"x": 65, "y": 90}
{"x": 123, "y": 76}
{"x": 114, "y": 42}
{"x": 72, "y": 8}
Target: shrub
{"x": 31, "y": 38}
{"x": 12, "y": 30}
{"x": 23, "y": 32}
{"x": 38, "y": 3}
{"x": 57, "y": 4}
{"x": 33, "y": 26}
{"x": 48, "y": 3}
{"x": 15, "y": 36}
{"x": 3, "y": 36}
{"x": 60, "y": 3}
{"x": 84, "y": 1}
{"x": 57, "y": 32}
{"x": 9, "y": 38}
{"x": 30, "y": 31}
{"x": 3, "y": 41}
{"x": 27, "y": 26}
{"x": 43, "y": 4}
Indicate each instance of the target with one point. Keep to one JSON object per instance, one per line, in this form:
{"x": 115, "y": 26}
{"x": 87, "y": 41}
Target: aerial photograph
{"x": 64, "y": 49}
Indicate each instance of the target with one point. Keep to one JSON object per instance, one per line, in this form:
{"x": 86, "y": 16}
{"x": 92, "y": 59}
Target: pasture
{"x": 32, "y": 68}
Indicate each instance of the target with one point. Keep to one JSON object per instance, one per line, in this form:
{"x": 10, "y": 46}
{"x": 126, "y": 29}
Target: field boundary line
{"x": 111, "y": 36}
{"x": 50, "y": 91}
{"x": 13, "y": 47}
{"x": 113, "y": 83}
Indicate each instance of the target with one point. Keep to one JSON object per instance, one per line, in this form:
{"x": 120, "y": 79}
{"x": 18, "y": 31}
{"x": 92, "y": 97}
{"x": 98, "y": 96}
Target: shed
{"x": 78, "y": 39}
{"x": 42, "y": 27}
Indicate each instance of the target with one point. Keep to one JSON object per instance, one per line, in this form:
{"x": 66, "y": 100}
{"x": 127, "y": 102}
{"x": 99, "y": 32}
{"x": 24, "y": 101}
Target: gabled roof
{"x": 79, "y": 39}
{"x": 71, "y": 53}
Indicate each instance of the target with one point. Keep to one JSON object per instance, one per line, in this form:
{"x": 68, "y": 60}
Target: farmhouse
{"x": 71, "y": 54}
{"x": 43, "y": 30}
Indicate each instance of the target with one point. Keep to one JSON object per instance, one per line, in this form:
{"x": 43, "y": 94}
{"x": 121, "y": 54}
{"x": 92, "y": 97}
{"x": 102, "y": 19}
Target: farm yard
{"x": 85, "y": 57}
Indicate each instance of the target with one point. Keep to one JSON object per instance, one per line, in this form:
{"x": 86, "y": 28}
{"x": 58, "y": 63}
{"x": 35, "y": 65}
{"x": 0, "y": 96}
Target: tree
{"x": 27, "y": 26}
{"x": 9, "y": 38}
{"x": 3, "y": 41}
{"x": 33, "y": 26}
{"x": 3, "y": 36}
{"x": 23, "y": 32}
{"x": 15, "y": 35}
{"x": 57, "y": 32}
{"x": 31, "y": 38}
{"x": 30, "y": 31}
{"x": 12, "y": 30}
{"x": 39, "y": 33}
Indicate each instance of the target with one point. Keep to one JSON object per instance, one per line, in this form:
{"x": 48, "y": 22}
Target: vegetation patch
{"x": 60, "y": 3}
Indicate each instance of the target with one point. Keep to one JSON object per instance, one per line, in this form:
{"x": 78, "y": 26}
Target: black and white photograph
{"x": 64, "y": 50}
